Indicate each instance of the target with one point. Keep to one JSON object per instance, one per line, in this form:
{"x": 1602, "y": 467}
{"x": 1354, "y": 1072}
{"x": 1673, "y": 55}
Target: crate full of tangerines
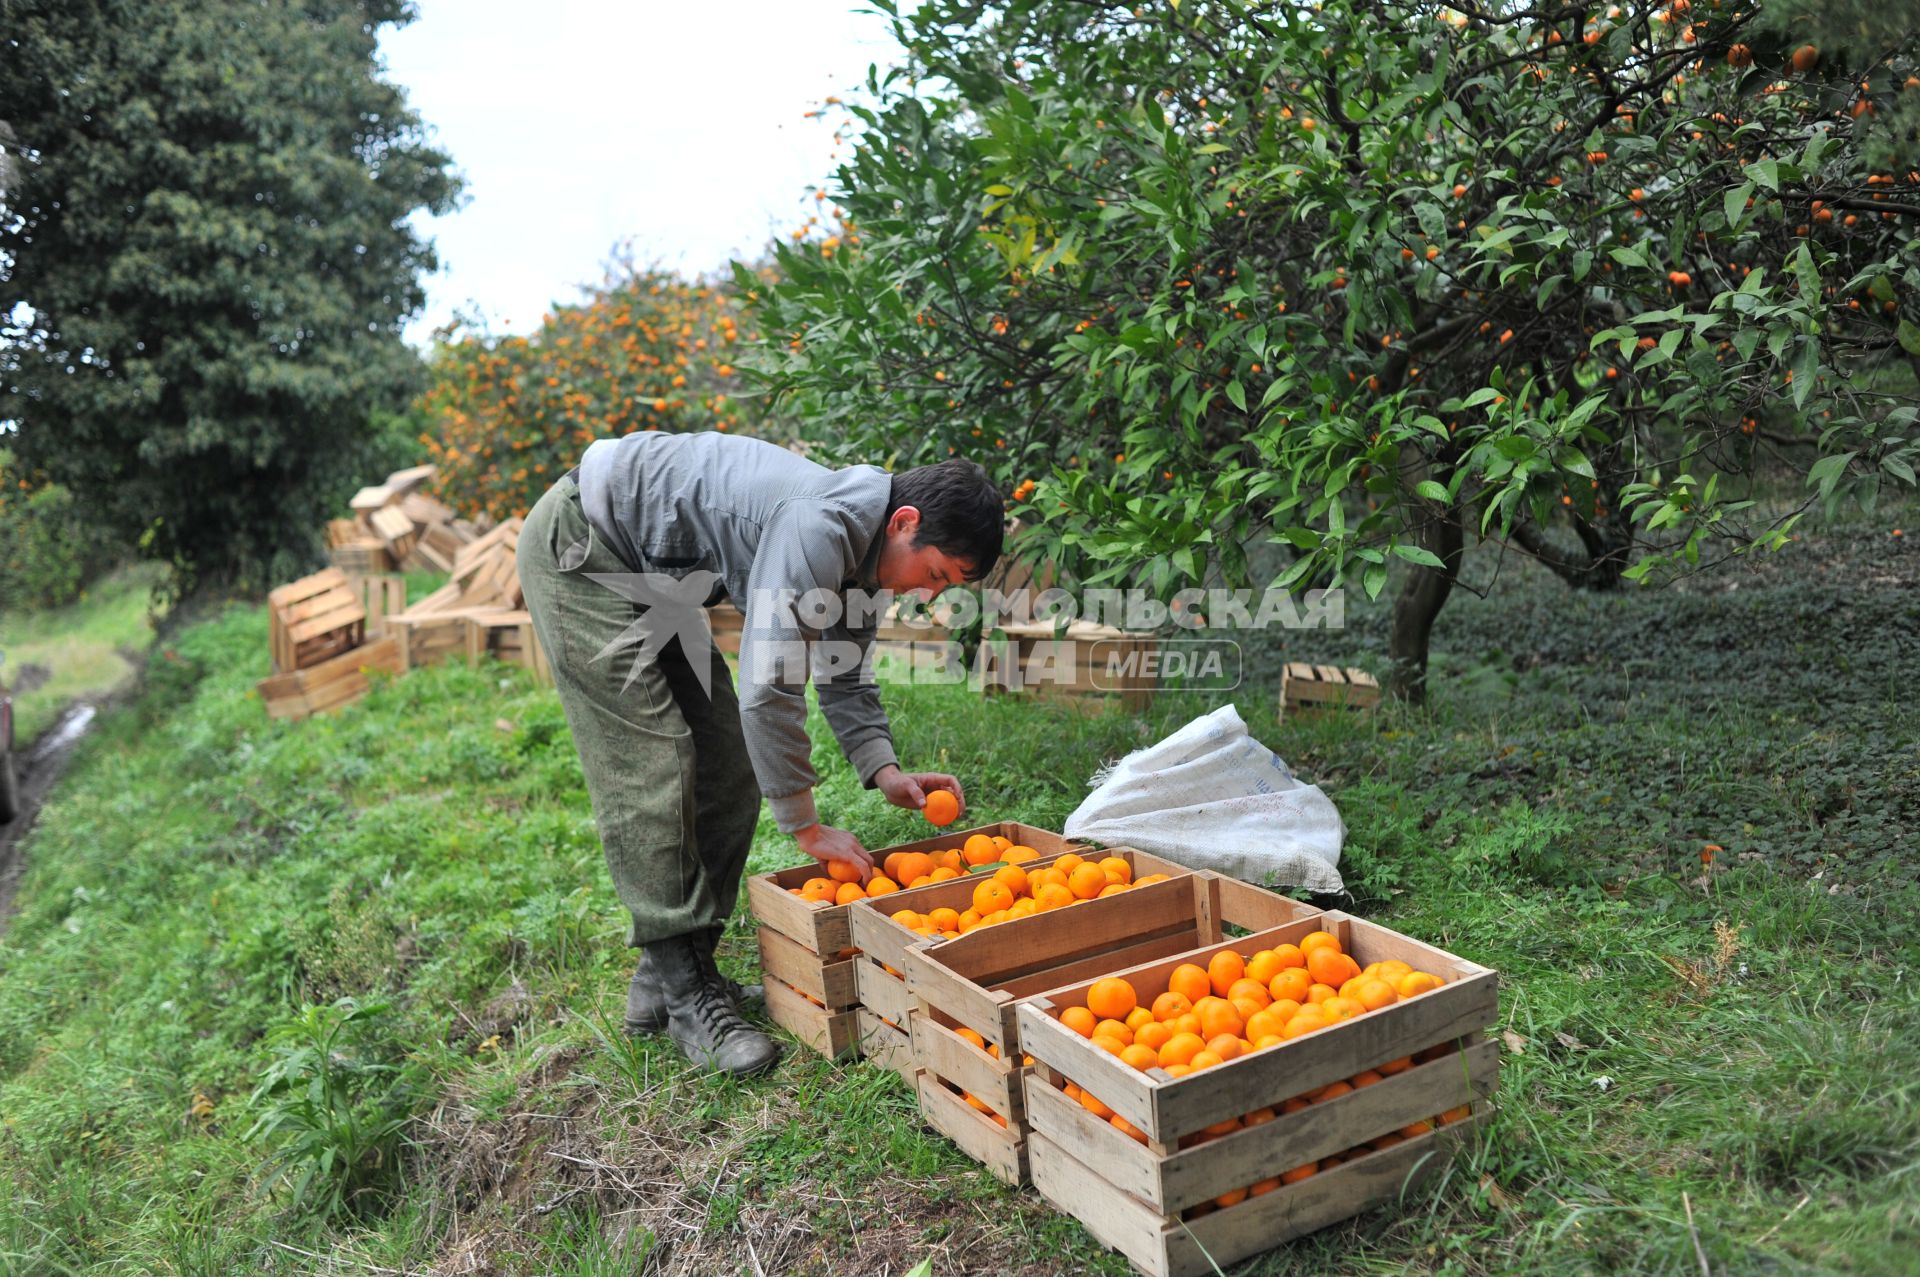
{"x": 1035, "y": 927}
{"x": 1199, "y": 1108}
{"x": 806, "y": 946}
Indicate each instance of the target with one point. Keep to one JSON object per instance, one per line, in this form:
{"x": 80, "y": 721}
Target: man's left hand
{"x": 910, "y": 789}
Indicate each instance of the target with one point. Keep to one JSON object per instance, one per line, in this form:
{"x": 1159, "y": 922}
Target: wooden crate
{"x": 341, "y": 680}
{"x": 885, "y": 1045}
{"x": 510, "y": 638}
{"x": 834, "y": 1034}
{"x": 823, "y": 928}
{"x": 979, "y": 978}
{"x": 355, "y": 551}
{"x": 431, "y": 637}
{"x": 975, "y": 981}
{"x": 1084, "y": 660}
{"x": 382, "y": 596}
{"x": 1145, "y": 1198}
{"x": 1316, "y": 688}
{"x": 313, "y": 620}
{"x": 1193, "y": 1248}
{"x": 395, "y": 530}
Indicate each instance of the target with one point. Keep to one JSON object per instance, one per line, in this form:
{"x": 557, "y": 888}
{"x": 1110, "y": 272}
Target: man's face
{"x": 922, "y": 572}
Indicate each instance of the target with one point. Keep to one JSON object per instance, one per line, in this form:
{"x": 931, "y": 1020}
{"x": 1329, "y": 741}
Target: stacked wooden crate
{"x": 1231, "y": 1160}
{"x": 807, "y": 950}
{"x": 479, "y": 611}
{"x": 1083, "y": 659}
{"x": 317, "y": 634}
{"x": 395, "y": 526}
{"x": 976, "y": 981}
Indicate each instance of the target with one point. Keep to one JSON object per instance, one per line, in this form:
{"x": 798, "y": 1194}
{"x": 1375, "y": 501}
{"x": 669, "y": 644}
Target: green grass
{"x": 83, "y": 648}
{"x": 204, "y": 874}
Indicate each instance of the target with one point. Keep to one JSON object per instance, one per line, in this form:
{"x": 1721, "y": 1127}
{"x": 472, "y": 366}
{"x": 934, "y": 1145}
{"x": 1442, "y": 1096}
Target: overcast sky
{"x": 580, "y": 123}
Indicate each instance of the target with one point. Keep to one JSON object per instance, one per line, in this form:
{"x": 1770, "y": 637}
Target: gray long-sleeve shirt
{"x": 772, "y": 526}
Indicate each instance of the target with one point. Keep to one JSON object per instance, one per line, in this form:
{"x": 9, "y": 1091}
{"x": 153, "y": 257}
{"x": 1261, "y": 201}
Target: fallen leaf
{"x": 1495, "y": 1194}
{"x": 1569, "y": 1041}
{"x": 1515, "y": 1043}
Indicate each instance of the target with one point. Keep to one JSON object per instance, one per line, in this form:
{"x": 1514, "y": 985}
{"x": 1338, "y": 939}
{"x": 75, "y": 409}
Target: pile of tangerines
{"x": 1236, "y": 1005}
{"x": 1008, "y": 892}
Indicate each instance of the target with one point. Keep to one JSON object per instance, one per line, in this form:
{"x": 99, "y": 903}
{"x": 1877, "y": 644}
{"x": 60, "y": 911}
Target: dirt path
{"x": 40, "y": 768}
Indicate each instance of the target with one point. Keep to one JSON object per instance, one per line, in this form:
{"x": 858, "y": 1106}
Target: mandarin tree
{"x": 1370, "y": 279}
{"x": 649, "y": 350}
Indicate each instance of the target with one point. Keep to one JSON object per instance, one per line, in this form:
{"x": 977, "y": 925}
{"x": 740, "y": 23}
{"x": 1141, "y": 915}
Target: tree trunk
{"x": 1423, "y": 593}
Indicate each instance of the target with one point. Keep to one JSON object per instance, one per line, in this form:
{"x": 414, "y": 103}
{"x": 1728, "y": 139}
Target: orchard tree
{"x": 505, "y": 416}
{"x": 1372, "y": 279}
{"x": 204, "y": 240}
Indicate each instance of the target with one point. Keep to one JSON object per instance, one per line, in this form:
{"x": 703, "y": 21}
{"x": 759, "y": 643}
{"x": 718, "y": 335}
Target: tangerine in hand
{"x": 942, "y": 808}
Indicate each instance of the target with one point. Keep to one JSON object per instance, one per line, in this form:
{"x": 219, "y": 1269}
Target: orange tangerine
{"x": 1319, "y": 939}
{"x": 1111, "y": 998}
{"x": 1187, "y": 1023}
{"x": 1263, "y": 1022}
{"x": 1299, "y": 1173}
{"x": 995, "y": 918}
{"x": 1248, "y": 987}
{"x": 1393, "y": 968}
{"x": 1308, "y": 1021}
{"x": 1116, "y": 869}
{"x": 945, "y": 873}
{"x": 1180, "y": 1049}
{"x": 1080, "y": 1020}
{"x": 944, "y": 919}
{"x": 1171, "y": 1004}
{"x": 1331, "y": 1091}
{"x": 1051, "y": 876}
{"x": 924, "y": 880}
{"x": 1115, "y": 888}
{"x": 1053, "y": 896}
{"x": 941, "y": 808}
{"x": 1141, "y": 1057}
{"x": 1289, "y": 955}
{"x": 841, "y": 871}
{"x": 1025, "y": 907}
{"x": 1086, "y": 881}
{"x": 1264, "y": 1187}
{"x": 980, "y": 850}
{"x": 818, "y": 889}
{"x": 1013, "y": 877}
{"x": 1339, "y": 1008}
{"x": 1415, "y": 983}
{"x": 905, "y": 866}
{"x": 1374, "y": 993}
{"x": 1366, "y": 1077}
{"x": 1019, "y": 854}
{"x": 1259, "y": 1117}
{"x": 1217, "y": 1016}
{"x": 1203, "y": 1060}
{"x": 1177, "y": 1070}
{"x": 1266, "y": 1041}
{"x": 1128, "y": 1129}
{"x": 1115, "y": 1029}
{"x": 1263, "y": 966}
{"x": 880, "y": 885}
{"x": 1138, "y": 1017}
{"x": 1285, "y": 1009}
{"x": 1153, "y": 1034}
{"x": 1149, "y": 880}
{"x": 1232, "y": 1197}
{"x": 1093, "y": 1105}
{"x": 1190, "y": 981}
{"x": 973, "y": 1036}
{"x": 848, "y": 893}
{"x": 1413, "y": 1130}
{"x": 908, "y": 918}
{"x": 1292, "y": 982}
{"x": 1110, "y": 1044}
{"x": 1001, "y": 842}
{"x": 1227, "y": 1046}
{"x": 1320, "y": 993}
{"x": 1249, "y": 1007}
{"x": 1223, "y": 968}
{"x": 991, "y": 896}
{"x": 1330, "y": 966}
{"x": 1068, "y": 863}
{"x": 1400, "y": 1065}
{"x": 1456, "y": 1114}
{"x": 969, "y": 919}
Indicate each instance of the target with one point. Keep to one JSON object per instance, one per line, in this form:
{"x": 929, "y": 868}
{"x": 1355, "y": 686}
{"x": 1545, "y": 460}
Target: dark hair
{"x": 961, "y": 513}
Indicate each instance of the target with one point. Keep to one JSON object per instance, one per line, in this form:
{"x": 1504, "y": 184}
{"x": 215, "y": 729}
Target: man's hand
{"x": 909, "y": 789}
{"x": 825, "y": 843}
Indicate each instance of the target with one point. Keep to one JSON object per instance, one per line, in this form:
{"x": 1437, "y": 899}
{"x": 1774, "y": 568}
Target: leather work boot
{"x": 701, "y": 1019}
{"x": 647, "y": 999}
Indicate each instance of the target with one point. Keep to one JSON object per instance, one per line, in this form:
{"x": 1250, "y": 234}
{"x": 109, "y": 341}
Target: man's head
{"x": 943, "y": 527}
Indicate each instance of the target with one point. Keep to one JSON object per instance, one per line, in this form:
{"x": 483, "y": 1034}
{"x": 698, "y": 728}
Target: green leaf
{"x": 1734, "y": 203}
{"x": 1418, "y": 554}
{"x": 1826, "y": 472}
{"x": 1909, "y": 337}
{"x": 1765, "y": 172}
{"x": 1375, "y": 580}
{"x": 1237, "y": 394}
{"x": 1432, "y": 491}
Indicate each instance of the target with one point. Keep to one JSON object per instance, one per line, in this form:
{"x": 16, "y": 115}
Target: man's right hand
{"x": 825, "y": 843}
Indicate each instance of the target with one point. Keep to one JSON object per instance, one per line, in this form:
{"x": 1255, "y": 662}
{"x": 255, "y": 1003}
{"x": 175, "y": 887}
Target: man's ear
{"x": 905, "y": 520}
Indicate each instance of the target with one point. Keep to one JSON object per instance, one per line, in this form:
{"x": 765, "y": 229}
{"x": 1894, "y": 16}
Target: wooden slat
{"x": 830, "y": 1033}
{"x": 369, "y": 499}
{"x": 883, "y": 994}
{"x": 308, "y": 586}
{"x": 979, "y": 1136}
{"x": 888, "y": 1047}
{"x": 834, "y": 983}
{"x": 1163, "y": 1248}
{"x": 819, "y": 927}
{"x": 1191, "y": 1176}
{"x": 1000, "y": 1083}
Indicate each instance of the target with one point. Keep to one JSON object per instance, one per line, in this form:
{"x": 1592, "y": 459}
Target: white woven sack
{"x": 1212, "y": 797}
